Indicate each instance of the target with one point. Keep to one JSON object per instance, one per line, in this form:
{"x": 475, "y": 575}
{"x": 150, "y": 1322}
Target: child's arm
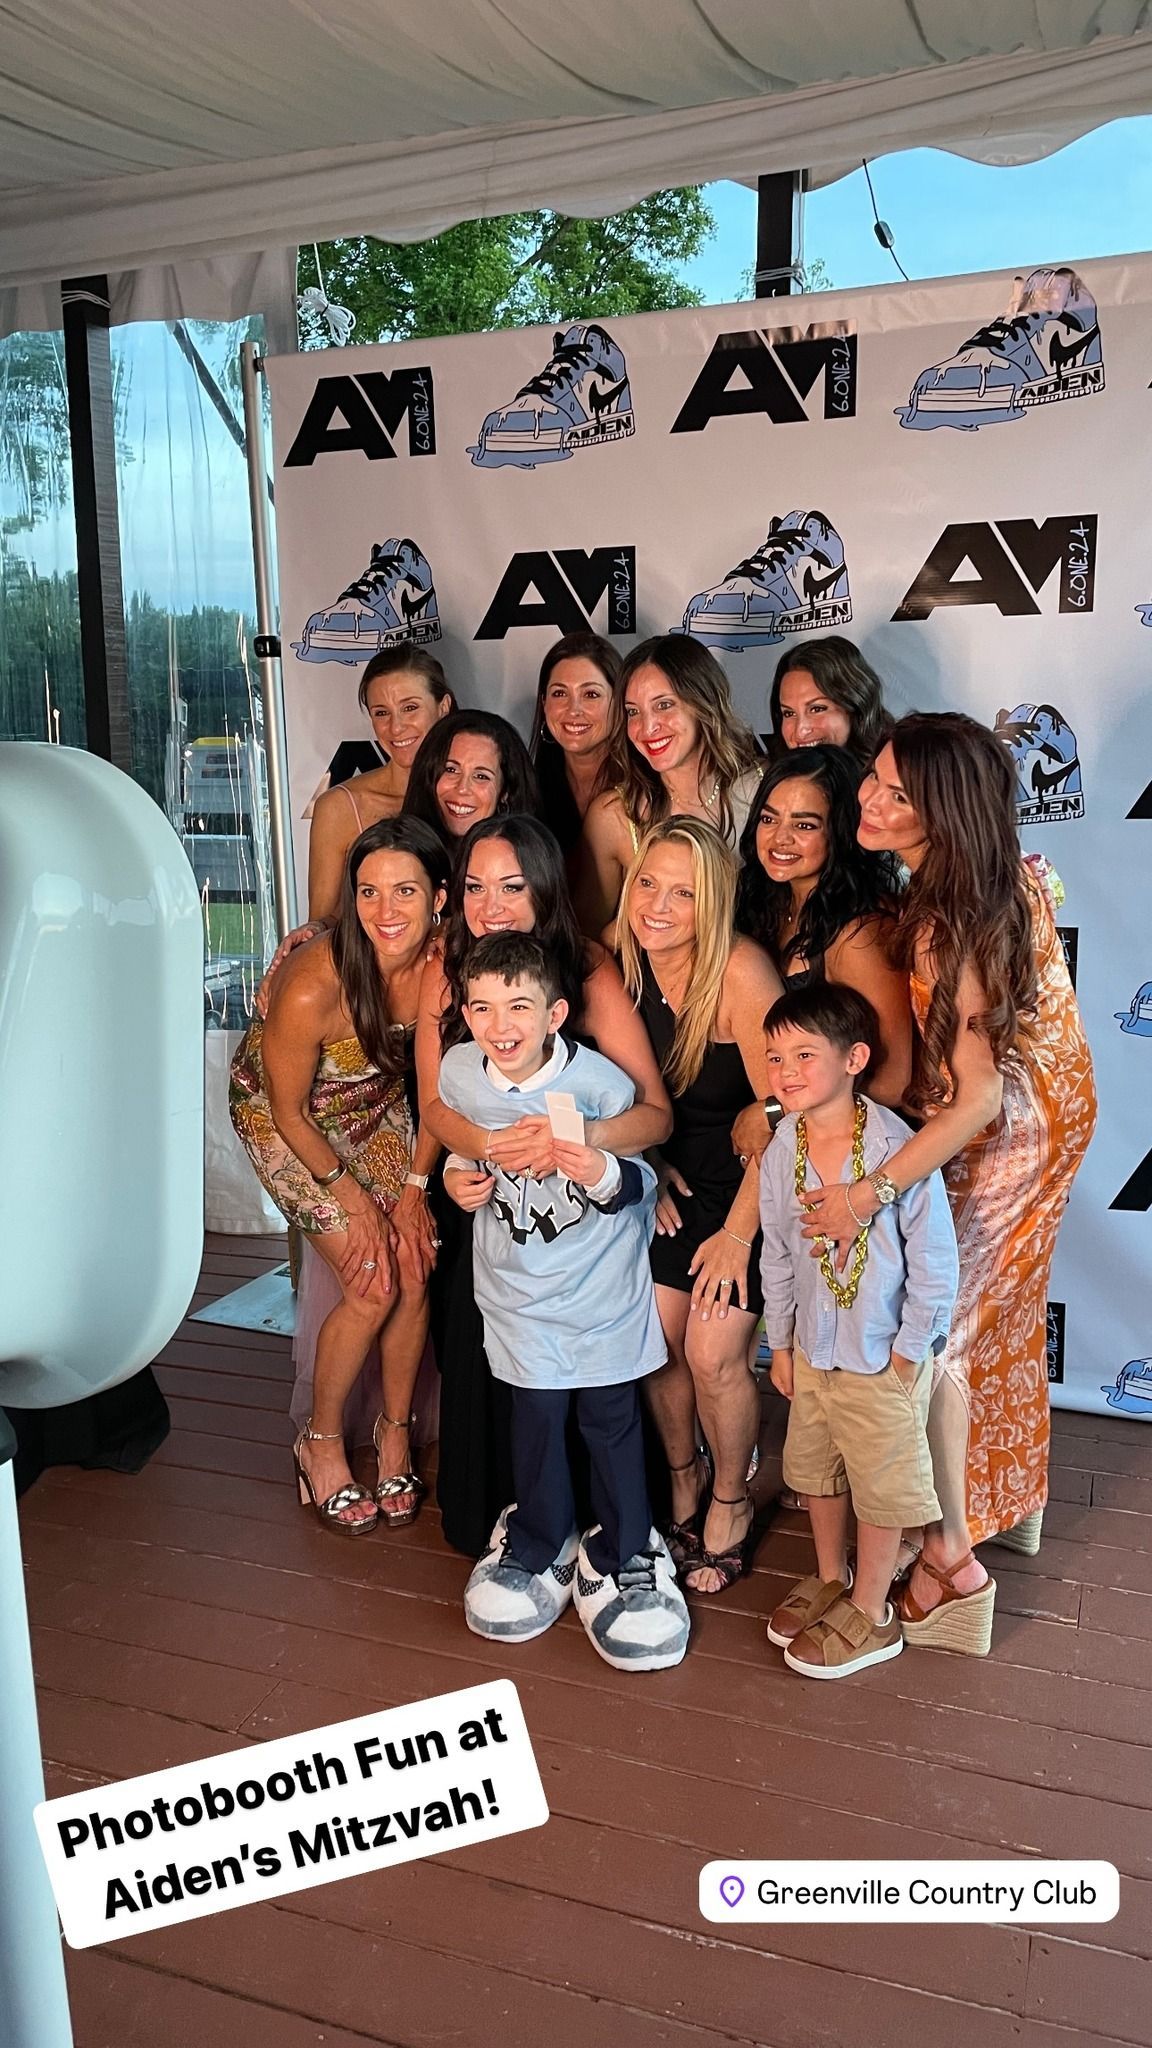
{"x": 924, "y": 1220}
{"x": 466, "y": 1183}
{"x": 611, "y": 1183}
{"x": 777, "y": 1264}
{"x": 782, "y": 1373}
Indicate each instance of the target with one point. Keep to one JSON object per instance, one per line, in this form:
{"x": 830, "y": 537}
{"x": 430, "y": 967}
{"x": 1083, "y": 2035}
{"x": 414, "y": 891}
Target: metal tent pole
{"x": 33, "y": 1994}
{"x": 268, "y": 648}
{"x": 779, "y": 199}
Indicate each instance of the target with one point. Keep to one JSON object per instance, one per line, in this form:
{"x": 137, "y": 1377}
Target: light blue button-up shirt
{"x": 908, "y": 1288}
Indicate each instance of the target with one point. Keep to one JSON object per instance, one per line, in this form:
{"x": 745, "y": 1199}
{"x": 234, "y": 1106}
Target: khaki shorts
{"x": 863, "y": 1434}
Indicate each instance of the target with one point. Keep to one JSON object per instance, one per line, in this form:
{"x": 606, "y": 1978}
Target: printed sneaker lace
{"x": 382, "y": 570}
{"x": 776, "y": 551}
{"x": 562, "y": 368}
{"x": 998, "y": 332}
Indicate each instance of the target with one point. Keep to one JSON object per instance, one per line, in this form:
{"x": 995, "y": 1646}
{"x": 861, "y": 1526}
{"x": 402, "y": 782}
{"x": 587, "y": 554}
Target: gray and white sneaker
{"x": 637, "y": 1620}
{"x": 508, "y": 1603}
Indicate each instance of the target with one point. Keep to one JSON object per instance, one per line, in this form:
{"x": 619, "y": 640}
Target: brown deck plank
{"x": 196, "y": 1608}
{"x": 119, "y": 2003}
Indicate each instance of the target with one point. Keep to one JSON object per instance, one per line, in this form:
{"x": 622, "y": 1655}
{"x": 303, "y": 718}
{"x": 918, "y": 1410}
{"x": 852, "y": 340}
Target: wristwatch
{"x": 884, "y": 1189}
{"x": 774, "y": 1113}
{"x": 417, "y": 1180}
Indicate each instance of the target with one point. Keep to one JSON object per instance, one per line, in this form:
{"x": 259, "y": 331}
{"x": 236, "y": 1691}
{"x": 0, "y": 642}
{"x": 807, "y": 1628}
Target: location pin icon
{"x": 732, "y": 1890}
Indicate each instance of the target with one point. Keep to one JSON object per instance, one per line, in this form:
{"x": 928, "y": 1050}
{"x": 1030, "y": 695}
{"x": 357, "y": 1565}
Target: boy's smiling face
{"x": 808, "y": 1071}
{"x": 510, "y": 1022}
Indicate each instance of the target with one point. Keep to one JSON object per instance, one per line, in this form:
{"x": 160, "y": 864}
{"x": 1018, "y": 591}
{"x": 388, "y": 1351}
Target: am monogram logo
{"x": 778, "y": 369}
{"x": 569, "y": 584}
{"x": 366, "y": 413}
{"x": 1013, "y": 560}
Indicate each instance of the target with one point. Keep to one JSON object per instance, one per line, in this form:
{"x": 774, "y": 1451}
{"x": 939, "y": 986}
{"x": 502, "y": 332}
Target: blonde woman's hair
{"x": 728, "y": 747}
{"x": 714, "y": 872}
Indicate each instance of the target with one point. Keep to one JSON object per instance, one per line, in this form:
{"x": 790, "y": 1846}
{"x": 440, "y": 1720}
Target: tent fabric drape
{"x": 309, "y": 123}
{"x": 228, "y": 286}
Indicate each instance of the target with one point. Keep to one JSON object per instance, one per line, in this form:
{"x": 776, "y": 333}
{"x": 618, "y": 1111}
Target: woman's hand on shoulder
{"x": 315, "y": 929}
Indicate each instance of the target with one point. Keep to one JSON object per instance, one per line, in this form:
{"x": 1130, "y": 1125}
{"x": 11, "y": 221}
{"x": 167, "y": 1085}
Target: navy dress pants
{"x": 610, "y": 1424}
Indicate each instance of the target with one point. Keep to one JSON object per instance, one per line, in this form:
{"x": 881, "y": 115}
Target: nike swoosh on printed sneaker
{"x": 601, "y": 396}
{"x": 1044, "y": 785}
{"x": 413, "y": 606}
{"x": 1064, "y": 353}
{"x": 815, "y": 586}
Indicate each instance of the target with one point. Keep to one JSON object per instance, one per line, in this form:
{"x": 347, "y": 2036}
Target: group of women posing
{"x": 684, "y": 876}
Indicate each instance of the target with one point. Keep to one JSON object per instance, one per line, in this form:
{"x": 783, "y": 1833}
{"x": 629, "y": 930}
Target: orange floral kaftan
{"x": 1008, "y": 1190}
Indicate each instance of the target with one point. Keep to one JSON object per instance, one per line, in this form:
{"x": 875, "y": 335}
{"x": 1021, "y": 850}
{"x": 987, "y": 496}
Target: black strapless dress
{"x": 700, "y": 1148}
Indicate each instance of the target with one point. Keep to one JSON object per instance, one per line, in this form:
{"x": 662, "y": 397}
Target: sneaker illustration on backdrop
{"x": 794, "y": 582}
{"x": 1046, "y": 347}
{"x": 1136, "y": 1020}
{"x": 393, "y": 601}
{"x": 1132, "y": 1392}
{"x": 580, "y": 399}
{"x": 1049, "y": 784}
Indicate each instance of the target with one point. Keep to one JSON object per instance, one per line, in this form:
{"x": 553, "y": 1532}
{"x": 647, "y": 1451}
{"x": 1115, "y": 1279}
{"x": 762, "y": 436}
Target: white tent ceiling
{"x": 140, "y": 133}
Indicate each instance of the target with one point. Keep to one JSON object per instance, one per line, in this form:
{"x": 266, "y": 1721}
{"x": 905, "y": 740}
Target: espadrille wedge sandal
{"x": 1024, "y": 1538}
{"x": 961, "y": 1622}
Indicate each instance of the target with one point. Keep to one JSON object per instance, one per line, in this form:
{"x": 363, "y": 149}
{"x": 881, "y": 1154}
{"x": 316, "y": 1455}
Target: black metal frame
{"x": 91, "y": 418}
{"x": 778, "y": 243}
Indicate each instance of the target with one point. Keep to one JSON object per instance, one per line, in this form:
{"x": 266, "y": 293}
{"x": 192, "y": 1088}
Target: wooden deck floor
{"x": 195, "y": 1608}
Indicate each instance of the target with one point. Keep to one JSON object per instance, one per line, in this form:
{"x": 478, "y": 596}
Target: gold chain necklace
{"x": 843, "y": 1292}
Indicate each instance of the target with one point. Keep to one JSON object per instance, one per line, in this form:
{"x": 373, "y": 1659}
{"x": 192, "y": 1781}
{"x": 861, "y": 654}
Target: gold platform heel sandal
{"x": 1025, "y": 1537}
{"x": 961, "y": 1622}
{"x": 400, "y": 1483}
{"x": 328, "y": 1512}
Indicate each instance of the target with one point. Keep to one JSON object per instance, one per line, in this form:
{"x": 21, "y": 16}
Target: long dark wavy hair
{"x": 838, "y": 668}
{"x": 541, "y": 863}
{"x": 407, "y": 661}
{"x": 727, "y": 746}
{"x": 556, "y": 799}
{"x": 967, "y": 898}
{"x": 352, "y": 956}
{"x": 853, "y": 883}
{"x": 518, "y": 791}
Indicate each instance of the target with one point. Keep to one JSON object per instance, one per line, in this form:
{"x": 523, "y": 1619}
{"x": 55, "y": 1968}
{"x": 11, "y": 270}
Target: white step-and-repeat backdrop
{"x": 955, "y": 475}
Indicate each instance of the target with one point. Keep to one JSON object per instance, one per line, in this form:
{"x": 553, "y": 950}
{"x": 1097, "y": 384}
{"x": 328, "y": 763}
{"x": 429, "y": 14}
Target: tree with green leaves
{"x": 516, "y": 271}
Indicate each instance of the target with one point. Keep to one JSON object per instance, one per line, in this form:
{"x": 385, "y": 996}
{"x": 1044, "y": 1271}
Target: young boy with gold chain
{"x": 852, "y": 1349}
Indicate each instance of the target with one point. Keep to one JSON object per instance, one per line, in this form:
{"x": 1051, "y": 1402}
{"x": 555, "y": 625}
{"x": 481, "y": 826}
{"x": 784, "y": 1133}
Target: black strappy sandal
{"x": 731, "y": 1564}
{"x": 685, "y": 1539}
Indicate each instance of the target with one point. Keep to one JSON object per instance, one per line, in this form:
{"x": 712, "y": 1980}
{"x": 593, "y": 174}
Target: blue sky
{"x": 948, "y": 215}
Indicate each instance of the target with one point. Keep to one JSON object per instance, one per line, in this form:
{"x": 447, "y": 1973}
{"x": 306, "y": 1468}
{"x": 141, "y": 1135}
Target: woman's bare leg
{"x": 671, "y": 1395}
{"x": 947, "y": 1540}
{"x": 344, "y": 1340}
{"x": 728, "y": 1399}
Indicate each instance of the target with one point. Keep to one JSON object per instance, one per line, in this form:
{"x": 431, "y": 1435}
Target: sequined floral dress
{"x": 364, "y": 1115}
{"x": 1009, "y": 1188}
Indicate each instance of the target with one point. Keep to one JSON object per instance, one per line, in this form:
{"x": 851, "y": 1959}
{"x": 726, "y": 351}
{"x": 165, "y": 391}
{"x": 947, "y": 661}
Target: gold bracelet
{"x": 747, "y": 1242}
{"x": 861, "y": 1222}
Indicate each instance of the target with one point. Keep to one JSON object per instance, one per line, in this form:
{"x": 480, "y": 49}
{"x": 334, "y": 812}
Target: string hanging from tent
{"x": 881, "y": 229}
{"x": 339, "y": 320}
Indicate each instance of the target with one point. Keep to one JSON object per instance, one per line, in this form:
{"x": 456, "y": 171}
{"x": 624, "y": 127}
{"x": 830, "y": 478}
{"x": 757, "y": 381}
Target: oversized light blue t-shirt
{"x": 564, "y": 1287}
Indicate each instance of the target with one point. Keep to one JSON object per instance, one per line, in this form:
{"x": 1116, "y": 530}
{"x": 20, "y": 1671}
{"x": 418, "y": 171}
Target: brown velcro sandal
{"x": 807, "y": 1601}
{"x": 844, "y": 1640}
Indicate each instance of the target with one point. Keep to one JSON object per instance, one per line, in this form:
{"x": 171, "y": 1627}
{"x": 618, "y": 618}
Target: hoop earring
{"x": 435, "y": 920}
